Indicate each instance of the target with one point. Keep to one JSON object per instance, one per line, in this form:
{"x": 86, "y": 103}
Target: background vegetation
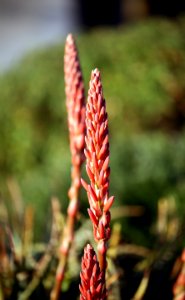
{"x": 143, "y": 74}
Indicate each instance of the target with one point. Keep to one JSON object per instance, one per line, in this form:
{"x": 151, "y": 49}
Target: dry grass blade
{"x": 42, "y": 265}
{"x": 28, "y": 231}
{"x": 128, "y": 249}
{"x": 127, "y": 211}
{"x": 142, "y": 287}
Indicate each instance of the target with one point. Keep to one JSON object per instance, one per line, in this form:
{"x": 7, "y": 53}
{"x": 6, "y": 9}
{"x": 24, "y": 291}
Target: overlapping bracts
{"x": 92, "y": 285}
{"x": 97, "y": 159}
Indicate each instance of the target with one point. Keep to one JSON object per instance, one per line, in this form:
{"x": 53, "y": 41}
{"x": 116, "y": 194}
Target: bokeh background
{"x": 139, "y": 47}
{"x": 25, "y": 25}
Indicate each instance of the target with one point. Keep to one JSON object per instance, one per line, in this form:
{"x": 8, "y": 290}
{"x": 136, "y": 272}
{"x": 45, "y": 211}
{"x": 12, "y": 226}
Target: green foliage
{"x": 143, "y": 74}
{"x": 144, "y": 168}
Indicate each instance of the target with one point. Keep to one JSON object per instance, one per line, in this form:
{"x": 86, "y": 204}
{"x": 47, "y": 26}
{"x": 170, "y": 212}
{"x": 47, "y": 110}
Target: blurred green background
{"x": 143, "y": 75}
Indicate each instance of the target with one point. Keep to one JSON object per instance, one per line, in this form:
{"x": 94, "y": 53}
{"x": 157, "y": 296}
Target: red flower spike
{"x": 97, "y": 165}
{"x": 75, "y": 103}
{"x": 75, "y": 98}
{"x": 92, "y": 287}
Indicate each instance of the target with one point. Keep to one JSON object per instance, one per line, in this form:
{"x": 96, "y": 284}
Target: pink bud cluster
{"x": 92, "y": 285}
{"x": 75, "y": 100}
{"x": 97, "y": 160}
{"x": 179, "y": 287}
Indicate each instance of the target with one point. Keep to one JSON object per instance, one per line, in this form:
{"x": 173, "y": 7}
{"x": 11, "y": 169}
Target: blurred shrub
{"x": 143, "y": 74}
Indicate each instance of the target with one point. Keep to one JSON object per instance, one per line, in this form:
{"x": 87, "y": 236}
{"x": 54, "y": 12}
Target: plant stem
{"x": 68, "y": 234}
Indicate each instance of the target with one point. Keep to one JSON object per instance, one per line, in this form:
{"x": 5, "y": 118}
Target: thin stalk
{"x": 68, "y": 236}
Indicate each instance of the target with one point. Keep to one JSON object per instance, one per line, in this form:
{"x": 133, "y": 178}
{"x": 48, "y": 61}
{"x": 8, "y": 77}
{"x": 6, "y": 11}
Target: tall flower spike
{"x": 97, "y": 166}
{"x": 75, "y": 102}
{"x": 92, "y": 285}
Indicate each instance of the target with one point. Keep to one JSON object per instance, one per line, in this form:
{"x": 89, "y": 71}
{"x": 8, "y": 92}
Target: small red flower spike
{"x": 179, "y": 286}
{"x": 75, "y": 102}
{"x": 92, "y": 285}
{"x": 97, "y": 166}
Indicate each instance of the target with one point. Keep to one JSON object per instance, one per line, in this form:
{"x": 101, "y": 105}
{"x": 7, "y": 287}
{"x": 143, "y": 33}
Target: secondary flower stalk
{"x": 75, "y": 103}
{"x": 97, "y": 166}
{"x": 92, "y": 285}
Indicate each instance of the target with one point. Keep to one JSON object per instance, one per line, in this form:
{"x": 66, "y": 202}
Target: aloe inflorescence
{"x": 97, "y": 166}
{"x": 75, "y": 103}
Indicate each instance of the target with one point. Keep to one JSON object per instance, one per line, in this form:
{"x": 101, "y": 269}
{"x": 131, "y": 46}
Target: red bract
{"x": 97, "y": 165}
{"x": 92, "y": 285}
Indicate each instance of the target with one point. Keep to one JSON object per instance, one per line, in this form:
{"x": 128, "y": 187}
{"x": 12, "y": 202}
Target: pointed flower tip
{"x": 95, "y": 73}
{"x": 88, "y": 247}
{"x": 70, "y": 38}
{"x": 96, "y": 70}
